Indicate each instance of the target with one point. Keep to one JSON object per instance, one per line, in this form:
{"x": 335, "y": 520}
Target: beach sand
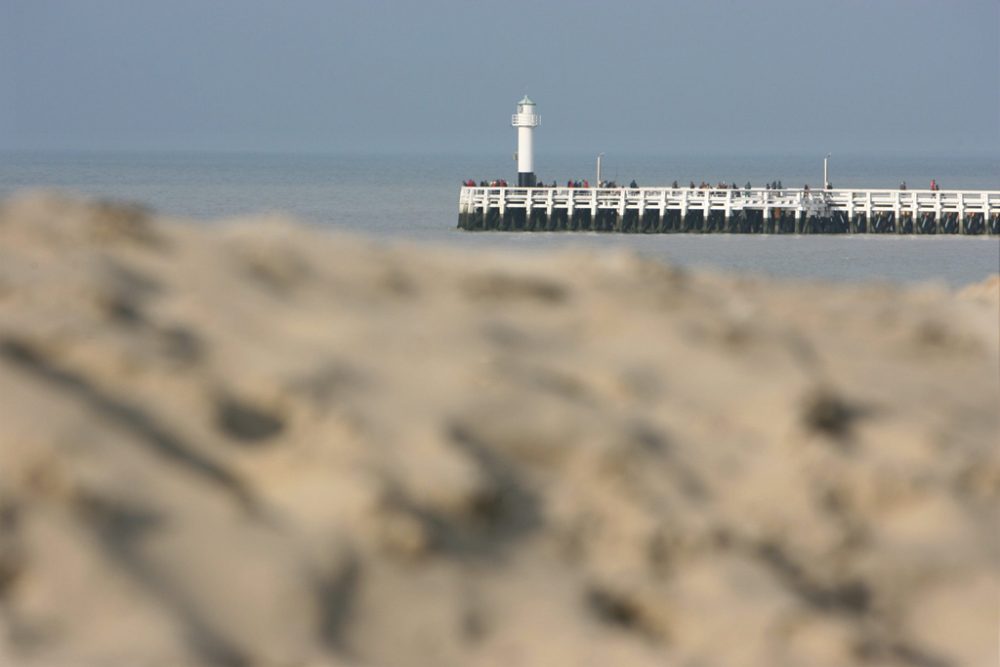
{"x": 254, "y": 443}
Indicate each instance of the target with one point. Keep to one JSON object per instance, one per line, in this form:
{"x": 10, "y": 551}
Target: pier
{"x": 730, "y": 210}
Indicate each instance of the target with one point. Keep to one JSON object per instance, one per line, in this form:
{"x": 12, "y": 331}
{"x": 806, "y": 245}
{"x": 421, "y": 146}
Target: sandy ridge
{"x": 251, "y": 443}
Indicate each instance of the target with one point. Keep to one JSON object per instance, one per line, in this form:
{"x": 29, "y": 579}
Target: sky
{"x": 436, "y": 76}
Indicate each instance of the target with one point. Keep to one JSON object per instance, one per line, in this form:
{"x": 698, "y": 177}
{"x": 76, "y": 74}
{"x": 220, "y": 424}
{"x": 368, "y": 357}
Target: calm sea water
{"x": 415, "y": 198}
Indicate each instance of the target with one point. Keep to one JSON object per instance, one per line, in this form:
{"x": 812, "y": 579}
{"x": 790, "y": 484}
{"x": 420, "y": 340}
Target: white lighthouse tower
{"x": 525, "y": 120}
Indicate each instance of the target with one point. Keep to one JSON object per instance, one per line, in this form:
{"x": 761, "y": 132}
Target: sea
{"x": 413, "y": 198}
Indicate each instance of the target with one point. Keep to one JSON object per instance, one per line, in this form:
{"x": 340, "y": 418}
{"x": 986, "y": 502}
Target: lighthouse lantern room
{"x": 525, "y": 120}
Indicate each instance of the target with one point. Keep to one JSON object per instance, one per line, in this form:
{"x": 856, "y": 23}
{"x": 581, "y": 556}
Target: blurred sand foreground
{"x": 259, "y": 444}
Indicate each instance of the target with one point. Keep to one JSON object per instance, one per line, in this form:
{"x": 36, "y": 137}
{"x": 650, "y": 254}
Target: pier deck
{"x": 730, "y": 210}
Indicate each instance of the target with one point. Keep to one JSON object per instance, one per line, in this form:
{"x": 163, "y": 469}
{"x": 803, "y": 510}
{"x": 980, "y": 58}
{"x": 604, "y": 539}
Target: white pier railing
{"x": 849, "y": 201}
{"x": 969, "y": 210}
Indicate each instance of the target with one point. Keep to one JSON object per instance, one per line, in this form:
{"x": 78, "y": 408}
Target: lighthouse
{"x": 525, "y": 120}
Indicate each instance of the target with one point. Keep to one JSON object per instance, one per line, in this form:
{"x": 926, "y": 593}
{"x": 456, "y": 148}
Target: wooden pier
{"x": 730, "y": 210}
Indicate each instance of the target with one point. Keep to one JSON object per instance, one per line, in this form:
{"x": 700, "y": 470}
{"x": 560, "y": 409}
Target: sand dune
{"x": 251, "y": 443}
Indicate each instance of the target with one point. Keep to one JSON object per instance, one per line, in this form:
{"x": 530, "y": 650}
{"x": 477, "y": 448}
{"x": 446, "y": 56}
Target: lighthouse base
{"x": 526, "y": 179}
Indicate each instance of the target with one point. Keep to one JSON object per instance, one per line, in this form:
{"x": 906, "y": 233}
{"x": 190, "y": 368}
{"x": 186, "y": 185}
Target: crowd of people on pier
{"x": 584, "y": 183}
{"x": 571, "y": 183}
{"x": 703, "y": 185}
{"x": 495, "y": 183}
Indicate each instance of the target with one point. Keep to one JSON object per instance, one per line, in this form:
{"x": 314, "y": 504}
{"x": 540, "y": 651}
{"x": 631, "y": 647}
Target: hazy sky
{"x": 653, "y": 76}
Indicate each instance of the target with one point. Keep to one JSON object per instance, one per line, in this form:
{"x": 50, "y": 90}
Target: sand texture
{"x": 252, "y": 443}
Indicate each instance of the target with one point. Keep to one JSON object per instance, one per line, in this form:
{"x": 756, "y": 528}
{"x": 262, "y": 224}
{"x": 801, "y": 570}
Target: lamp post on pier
{"x": 597, "y": 183}
{"x": 826, "y": 180}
